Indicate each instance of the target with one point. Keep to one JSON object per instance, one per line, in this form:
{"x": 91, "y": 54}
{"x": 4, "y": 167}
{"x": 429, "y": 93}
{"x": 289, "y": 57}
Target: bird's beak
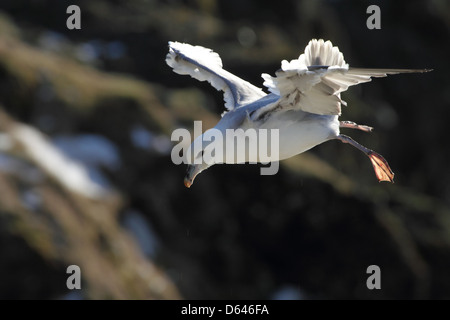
{"x": 192, "y": 171}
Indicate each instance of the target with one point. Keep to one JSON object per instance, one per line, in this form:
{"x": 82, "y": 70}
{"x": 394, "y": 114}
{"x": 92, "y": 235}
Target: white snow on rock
{"x": 69, "y": 172}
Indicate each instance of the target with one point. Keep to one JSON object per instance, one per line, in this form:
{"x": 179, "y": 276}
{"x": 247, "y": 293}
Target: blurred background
{"x": 86, "y": 176}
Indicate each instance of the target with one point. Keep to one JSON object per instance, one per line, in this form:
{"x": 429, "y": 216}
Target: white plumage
{"x": 205, "y": 65}
{"x": 304, "y": 102}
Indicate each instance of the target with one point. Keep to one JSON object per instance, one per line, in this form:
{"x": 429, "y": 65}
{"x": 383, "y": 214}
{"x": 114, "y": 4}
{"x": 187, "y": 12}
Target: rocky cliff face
{"x": 86, "y": 176}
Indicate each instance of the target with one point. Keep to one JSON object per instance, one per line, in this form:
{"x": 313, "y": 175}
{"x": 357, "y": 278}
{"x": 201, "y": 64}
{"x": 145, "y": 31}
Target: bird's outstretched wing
{"x": 314, "y": 81}
{"x": 204, "y": 64}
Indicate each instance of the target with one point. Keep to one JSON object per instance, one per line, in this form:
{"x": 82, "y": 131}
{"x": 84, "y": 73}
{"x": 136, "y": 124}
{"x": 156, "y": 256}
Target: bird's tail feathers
{"x": 322, "y": 53}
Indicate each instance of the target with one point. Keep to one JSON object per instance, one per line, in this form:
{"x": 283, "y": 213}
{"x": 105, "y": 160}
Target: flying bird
{"x": 304, "y": 102}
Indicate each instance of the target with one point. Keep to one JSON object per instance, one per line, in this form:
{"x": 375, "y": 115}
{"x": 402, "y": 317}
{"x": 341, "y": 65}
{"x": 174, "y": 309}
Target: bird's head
{"x": 192, "y": 171}
{"x": 201, "y": 160}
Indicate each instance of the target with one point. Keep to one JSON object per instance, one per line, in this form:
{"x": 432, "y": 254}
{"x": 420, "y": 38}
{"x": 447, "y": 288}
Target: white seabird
{"x": 304, "y": 102}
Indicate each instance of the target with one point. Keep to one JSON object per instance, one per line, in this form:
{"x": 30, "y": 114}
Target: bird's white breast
{"x": 300, "y": 131}
{"x": 296, "y": 132}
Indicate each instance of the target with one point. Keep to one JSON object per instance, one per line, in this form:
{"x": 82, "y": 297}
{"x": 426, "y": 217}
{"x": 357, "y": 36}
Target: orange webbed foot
{"x": 381, "y": 167}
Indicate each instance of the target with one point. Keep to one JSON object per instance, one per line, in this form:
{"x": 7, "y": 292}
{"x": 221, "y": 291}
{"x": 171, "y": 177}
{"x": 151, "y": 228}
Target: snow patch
{"x": 70, "y": 173}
